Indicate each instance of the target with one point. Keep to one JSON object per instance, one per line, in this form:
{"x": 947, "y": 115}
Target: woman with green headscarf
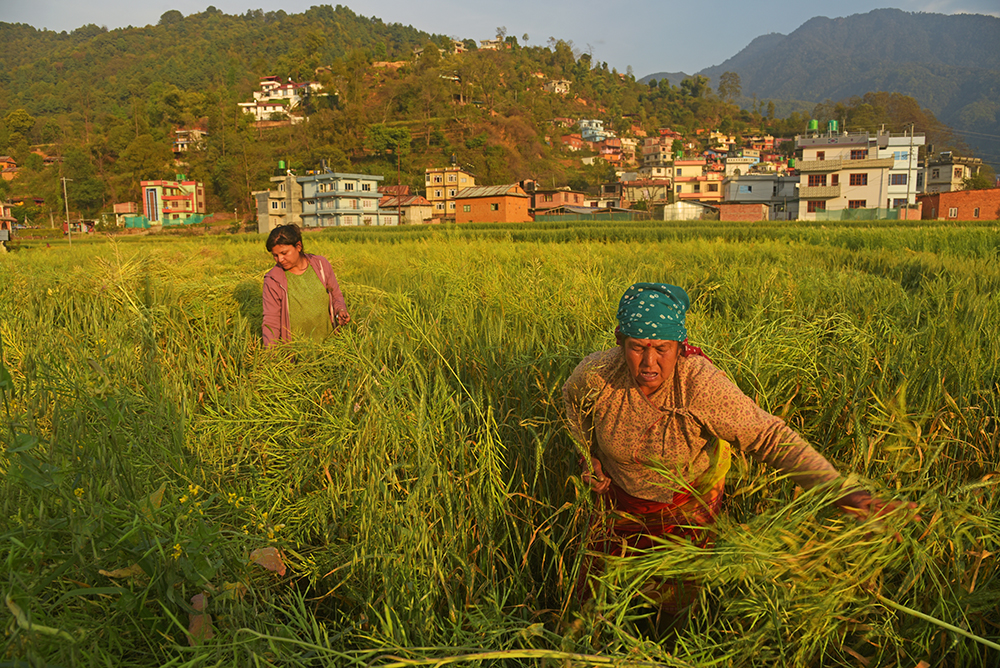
{"x": 658, "y": 419}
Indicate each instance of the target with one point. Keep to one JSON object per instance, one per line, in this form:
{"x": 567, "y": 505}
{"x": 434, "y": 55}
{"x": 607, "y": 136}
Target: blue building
{"x": 331, "y": 199}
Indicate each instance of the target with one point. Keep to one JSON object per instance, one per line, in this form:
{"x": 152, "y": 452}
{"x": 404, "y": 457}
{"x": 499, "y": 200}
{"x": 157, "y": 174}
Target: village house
{"x": 651, "y": 191}
{"x": 7, "y": 220}
{"x": 185, "y": 139}
{"x": 592, "y": 130}
{"x": 172, "y": 202}
{"x": 961, "y": 205}
{"x": 493, "y": 204}
{"x": 557, "y": 86}
{"x": 333, "y": 199}
{"x": 282, "y": 203}
{"x": 572, "y": 142}
{"x": 8, "y": 168}
{"x": 655, "y": 172}
{"x": 275, "y": 99}
{"x": 692, "y": 181}
{"x": 413, "y": 209}
{"x": 840, "y": 172}
{"x": 543, "y": 199}
{"x": 442, "y": 184}
{"x": 778, "y": 193}
{"x": 947, "y": 171}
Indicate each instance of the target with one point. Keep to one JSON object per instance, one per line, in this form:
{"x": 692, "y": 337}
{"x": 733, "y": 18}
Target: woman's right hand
{"x": 598, "y": 482}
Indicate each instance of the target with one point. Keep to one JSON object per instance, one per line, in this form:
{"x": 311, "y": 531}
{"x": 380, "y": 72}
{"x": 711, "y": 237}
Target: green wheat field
{"x": 405, "y": 494}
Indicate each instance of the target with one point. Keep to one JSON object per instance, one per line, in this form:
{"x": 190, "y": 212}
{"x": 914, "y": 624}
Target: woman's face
{"x": 287, "y": 257}
{"x": 651, "y": 362}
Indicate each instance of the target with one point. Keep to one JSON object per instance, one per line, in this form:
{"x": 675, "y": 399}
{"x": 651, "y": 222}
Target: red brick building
{"x": 961, "y": 205}
{"x": 492, "y": 204}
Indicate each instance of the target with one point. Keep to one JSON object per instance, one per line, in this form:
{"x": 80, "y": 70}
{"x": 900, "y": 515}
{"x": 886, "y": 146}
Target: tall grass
{"x": 415, "y": 475}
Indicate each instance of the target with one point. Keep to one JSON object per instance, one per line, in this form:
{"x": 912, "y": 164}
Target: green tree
{"x": 985, "y": 179}
{"x": 730, "y": 86}
{"x": 695, "y": 86}
{"x": 19, "y": 121}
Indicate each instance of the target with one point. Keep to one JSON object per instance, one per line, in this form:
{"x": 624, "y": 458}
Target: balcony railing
{"x": 838, "y": 164}
{"x": 819, "y": 192}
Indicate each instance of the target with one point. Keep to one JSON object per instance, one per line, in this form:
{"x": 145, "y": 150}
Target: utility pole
{"x": 909, "y": 172}
{"x": 69, "y": 230}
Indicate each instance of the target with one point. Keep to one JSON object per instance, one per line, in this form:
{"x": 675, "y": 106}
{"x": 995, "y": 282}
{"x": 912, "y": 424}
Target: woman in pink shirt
{"x": 301, "y": 294}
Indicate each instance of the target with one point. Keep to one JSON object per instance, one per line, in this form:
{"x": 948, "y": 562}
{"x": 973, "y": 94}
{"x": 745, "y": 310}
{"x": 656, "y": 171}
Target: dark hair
{"x": 284, "y": 235}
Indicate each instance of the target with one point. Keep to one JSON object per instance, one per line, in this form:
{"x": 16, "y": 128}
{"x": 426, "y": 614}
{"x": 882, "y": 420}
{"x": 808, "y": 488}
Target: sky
{"x": 647, "y": 35}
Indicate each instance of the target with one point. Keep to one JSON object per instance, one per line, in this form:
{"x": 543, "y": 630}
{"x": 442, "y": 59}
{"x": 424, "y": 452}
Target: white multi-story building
{"x": 332, "y": 199}
{"x": 275, "y": 99}
{"x": 840, "y": 171}
{"x": 906, "y": 179}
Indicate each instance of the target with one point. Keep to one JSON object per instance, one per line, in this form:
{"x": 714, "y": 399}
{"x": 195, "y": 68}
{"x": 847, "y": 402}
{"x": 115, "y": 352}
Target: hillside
{"x": 101, "y": 107}
{"x": 949, "y": 64}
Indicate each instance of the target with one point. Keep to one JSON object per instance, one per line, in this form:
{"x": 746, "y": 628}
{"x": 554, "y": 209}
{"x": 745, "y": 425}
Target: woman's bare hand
{"x": 598, "y": 482}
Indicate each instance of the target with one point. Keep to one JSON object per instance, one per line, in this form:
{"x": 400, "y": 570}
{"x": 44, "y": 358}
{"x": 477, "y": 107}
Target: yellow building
{"x": 442, "y": 185}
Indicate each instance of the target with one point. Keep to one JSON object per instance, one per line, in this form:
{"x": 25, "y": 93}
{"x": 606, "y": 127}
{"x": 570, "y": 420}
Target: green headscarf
{"x": 653, "y": 311}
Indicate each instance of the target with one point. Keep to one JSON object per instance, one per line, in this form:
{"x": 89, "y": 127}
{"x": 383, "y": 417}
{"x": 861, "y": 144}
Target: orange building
{"x": 492, "y": 204}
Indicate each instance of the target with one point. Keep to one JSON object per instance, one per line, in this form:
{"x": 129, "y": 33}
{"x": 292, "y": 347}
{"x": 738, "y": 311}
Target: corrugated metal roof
{"x": 489, "y": 191}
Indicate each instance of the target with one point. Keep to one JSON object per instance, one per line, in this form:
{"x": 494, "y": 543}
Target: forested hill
{"x": 105, "y": 105}
{"x": 949, "y": 64}
{"x": 48, "y": 72}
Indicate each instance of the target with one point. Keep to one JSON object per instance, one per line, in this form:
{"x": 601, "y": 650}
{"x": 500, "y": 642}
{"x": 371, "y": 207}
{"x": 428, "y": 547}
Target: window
{"x": 437, "y": 193}
{"x": 451, "y": 192}
{"x": 451, "y": 178}
{"x": 898, "y": 202}
{"x": 975, "y": 212}
{"x": 901, "y": 155}
{"x": 439, "y": 206}
{"x": 856, "y": 204}
{"x": 935, "y": 173}
{"x": 821, "y": 155}
{"x": 348, "y": 186}
{"x": 897, "y": 179}
{"x": 958, "y": 172}
{"x": 451, "y": 206}
{"x": 678, "y": 189}
{"x": 321, "y": 187}
{"x": 546, "y": 198}
{"x": 494, "y": 207}
{"x": 815, "y": 205}
{"x": 274, "y": 205}
{"x": 437, "y": 178}
{"x": 466, "y": 208}
{"x": 835, "y": 179}
{"x": 745, "y": 189}
{"x": 817, "y": 180}
{"x": 680, "y": 172}
{"x": 366, "y": 187}
{"x": 283, "y": 204}
{"x": 859, "y": 179}
{"x": 281, "y": 187}
{"x": 859, "y": 153}
{"x": 697, "y": 187}
{"x": 367, "y": 220}
{"x": 953, "y": 212}
{"x": 713, "y": 187}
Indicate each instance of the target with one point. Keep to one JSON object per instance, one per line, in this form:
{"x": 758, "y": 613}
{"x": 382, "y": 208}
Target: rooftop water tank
{"x": 832, "y": 126}
{"x": 813, "y": 125}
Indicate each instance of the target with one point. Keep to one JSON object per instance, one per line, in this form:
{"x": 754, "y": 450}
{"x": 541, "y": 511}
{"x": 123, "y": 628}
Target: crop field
{"x": 406, "y": 493}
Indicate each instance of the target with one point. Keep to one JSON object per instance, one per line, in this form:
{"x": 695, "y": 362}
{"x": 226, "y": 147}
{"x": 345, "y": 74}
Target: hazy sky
{"x": 648, "y": 35}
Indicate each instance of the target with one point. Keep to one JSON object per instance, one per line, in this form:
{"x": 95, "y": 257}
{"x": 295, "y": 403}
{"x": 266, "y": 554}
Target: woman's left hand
{"x": 343, "y": 317}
